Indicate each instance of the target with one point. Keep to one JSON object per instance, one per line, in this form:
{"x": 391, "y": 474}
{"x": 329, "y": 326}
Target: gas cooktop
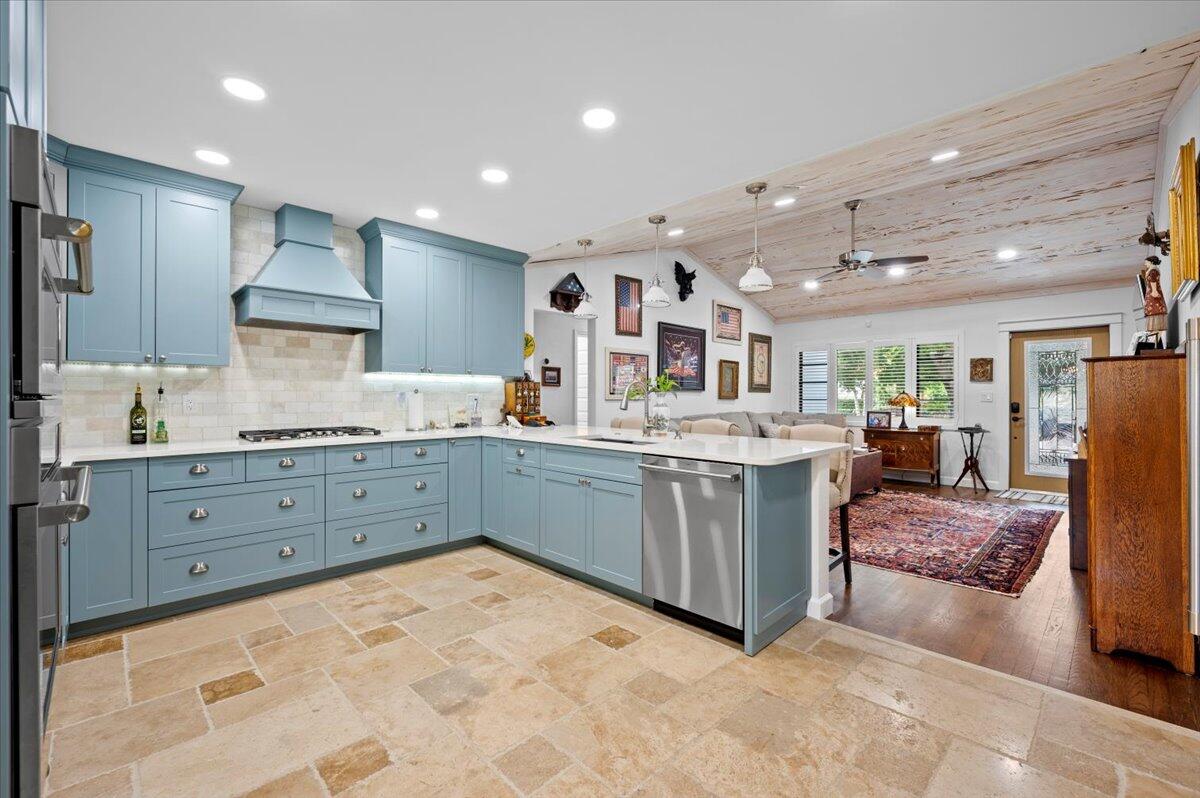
{"x": 286, "y": 434}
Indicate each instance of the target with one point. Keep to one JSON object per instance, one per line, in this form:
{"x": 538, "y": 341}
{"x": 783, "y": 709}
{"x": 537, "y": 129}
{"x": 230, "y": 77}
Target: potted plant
{"x": 660, "y": 412}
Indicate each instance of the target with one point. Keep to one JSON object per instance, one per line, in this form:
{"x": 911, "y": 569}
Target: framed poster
{"x": 681, "y": 355}
{"x": 727, "y": 379}
{"x": 760, "y": 364}
{"x": 727, "y": 323}
{"x": 629, "y": 305}
{"x": 552, "y": 376}
{"x": 981, "y": 369}
{"x": 621, "y": 367}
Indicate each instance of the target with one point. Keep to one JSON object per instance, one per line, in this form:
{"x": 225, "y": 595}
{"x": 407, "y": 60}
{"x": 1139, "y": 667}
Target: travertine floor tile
{"x": 969, "y": 769}
{"x": 586, "y": 670}
{"x": 883, "y": 649}
{"x": 345, "y": 767}
{"x": 117, "y": 784}
{"x": 999, "y": 684}
{"x": 361, "y": 610}
{"x": 404, "y": 721}
{"x": 88, "y": 687}
{"x": 269, "y": 634}
{"x": 479, "y": 574}
{"x": 374, "y": 673}
{"x": 574, "y": 782}
{"x": 462, "y": 650}
{"x": 380, "y": 635}
{"x": 635, "y": 619}
{"x": 706, "y": 703}
{"x": 442, "y": 626}
{"x": 448, "y": 589}
{"x": 653, "y": 687}
{"x": 615, "y": 637}
{"x": 541, "y": 630}
{"x": 1139, "y": 785}
{"x": 788, "y": 673}
{"x": 301, "y": 653}
{"x": 90, "y": 647}
{"x": 363, "y": 581}
{"x": 302, "y": 595}
{"x": 679, "y": 654}
{"x": 156, "y": 677}
{"x": 1088, "y": 770}
{"x": 489, "y": 600}
{"x": 670, "y": 783}
{"x": 522, "y": 582}
{"x": 229, "y": 686}
{"x": 264, "y": 699}
{"x": 305, "y": 617}
{"x": 581, "y": 595}
{"x": 804, "y": 634}
{"x": 301, "y": 783}
{"x": 726, "y": 766}
{"x": 444, "y": 768}
{"x": 532, "y": 763}
{"x": 191, "y": 631}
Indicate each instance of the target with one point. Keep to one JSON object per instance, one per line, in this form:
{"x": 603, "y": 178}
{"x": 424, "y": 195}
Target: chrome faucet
{"x": 645, "y": 386}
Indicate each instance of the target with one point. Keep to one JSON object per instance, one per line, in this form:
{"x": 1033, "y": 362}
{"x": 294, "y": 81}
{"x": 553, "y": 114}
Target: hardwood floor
{"x": 1042, "y": 636}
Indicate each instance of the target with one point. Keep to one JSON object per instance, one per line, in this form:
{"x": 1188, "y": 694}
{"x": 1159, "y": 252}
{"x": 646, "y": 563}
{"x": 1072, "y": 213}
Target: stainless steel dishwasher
{"x": 692, "y": 536}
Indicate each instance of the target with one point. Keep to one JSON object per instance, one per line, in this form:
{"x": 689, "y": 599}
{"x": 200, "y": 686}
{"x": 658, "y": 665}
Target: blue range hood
{"x": 303, "y": 285}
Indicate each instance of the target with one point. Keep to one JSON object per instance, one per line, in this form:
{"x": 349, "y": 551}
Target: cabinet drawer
{"x": 364, "y": 457}
{"x": 171, "y": 473}
{"x": 284, "y": 464}
{"x": 182, "y": 572}
{"x": 593, "y": 463}
{"x": 358, "y": 539}
{"x": 526, "y": 454}
{"x": 418, "y": 453}
{"x": 355, "y": 495}
{"x": 191, "y": 516}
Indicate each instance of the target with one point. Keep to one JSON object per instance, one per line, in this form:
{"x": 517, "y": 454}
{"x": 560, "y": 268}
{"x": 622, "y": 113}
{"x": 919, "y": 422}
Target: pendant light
{"x": 585, "y": 309}
{"x": 756, "y": 278}
{"x": 656, "y": 297}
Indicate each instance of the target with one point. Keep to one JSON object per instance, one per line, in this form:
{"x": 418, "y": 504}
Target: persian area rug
{"x": 994, "y": 547}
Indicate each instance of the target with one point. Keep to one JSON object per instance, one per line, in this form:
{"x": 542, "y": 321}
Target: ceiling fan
{"x": 863, "y": 261}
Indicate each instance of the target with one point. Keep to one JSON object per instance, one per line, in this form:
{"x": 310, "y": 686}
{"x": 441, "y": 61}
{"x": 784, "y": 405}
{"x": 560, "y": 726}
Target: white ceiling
{"x": 375, "y": 109}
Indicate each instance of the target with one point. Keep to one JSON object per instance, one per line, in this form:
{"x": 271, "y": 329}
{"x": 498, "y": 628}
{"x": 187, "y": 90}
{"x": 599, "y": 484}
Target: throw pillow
{"x": 770, "y": 430}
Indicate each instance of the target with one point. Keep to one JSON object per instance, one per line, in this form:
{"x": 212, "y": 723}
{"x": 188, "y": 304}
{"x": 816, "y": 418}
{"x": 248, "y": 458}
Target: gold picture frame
{"x": 728, "y": 379}
{"x": 1185, "y": 240}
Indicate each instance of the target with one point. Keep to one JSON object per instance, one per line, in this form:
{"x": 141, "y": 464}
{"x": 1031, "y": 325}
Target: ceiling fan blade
{"x": 827, "y": 275}
{"x": 906, "y": 260}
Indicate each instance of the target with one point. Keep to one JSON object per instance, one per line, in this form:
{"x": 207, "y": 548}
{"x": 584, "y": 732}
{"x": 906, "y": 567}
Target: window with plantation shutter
{"x": 850, "y": 373}
{"x": 936, "y": 380}
{"x": 889, "y": 373}
{"x": 812, "y": 371}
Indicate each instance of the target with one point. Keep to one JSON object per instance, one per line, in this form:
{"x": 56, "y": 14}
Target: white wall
{"x": 979, "y": 326}
{"x": 695, "y": 312}
{"x": 555, "y": 334}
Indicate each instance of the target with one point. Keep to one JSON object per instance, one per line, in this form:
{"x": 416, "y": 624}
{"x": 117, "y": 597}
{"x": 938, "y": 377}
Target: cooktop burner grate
{"x": 294, "y": 433}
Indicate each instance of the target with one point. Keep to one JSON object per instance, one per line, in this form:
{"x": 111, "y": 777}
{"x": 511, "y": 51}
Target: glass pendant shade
{"x": 756, "y": 279}
{"x": 656, "y": 297}
{"x": 585, "y": 309}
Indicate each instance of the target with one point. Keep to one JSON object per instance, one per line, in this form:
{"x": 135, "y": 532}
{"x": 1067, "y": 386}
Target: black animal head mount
{"x": 684, "y": 278}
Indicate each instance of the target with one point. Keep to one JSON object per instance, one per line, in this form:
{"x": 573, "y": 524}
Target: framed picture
{"x": 621, "y": 367}
{"x": 727, "y": 379}
{"x": 879, "y": 419}
{"x": 727, "y": 323}
{"x": 681, "y": 355}
{"x": 552, "y": 376}
{"x": 760, "y": 364}
{"x": 629, "y": 305}
{"x": 981, "y": 369}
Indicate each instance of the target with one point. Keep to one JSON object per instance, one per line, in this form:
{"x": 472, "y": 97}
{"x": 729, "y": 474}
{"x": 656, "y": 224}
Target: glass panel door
{"x": 1055, "y": 402}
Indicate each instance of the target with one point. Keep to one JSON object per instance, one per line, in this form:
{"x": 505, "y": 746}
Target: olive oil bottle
{"x": 137, "y": 418}
{"x": 160, "y": 434}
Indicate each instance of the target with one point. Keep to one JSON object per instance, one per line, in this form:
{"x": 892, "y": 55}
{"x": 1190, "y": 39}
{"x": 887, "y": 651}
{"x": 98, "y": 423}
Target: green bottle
{"x": 137, "y": 418}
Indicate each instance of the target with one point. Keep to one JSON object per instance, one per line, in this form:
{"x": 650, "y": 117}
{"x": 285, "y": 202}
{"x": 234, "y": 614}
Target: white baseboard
{"x": 820, "y": 606}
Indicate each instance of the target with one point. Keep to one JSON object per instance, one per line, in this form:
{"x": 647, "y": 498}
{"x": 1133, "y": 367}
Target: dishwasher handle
{"x": 735, "y": 477}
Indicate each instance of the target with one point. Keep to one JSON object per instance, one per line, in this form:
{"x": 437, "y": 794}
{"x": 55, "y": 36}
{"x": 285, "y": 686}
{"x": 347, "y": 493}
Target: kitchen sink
{"x": 615, "y": 439}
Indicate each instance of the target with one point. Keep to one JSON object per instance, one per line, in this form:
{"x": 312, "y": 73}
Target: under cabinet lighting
{"x": 942, "y": 157}
{"x": 400, "y": 376}
{"x": 244, "y": 89}
{"x": 213, "y": 157}
{"x": 427, "y": 213}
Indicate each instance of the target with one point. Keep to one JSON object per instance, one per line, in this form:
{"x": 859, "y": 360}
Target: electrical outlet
{"x": 985, "y": 397}
{"x": 189, "y": 404}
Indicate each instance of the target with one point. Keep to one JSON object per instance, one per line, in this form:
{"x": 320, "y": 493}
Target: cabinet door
{"x": 401, "y": 335}
{"x": 108, "y": 550}
{"x": 466, "y": 488}
{"x": 192, "y": 283}
{"x": 495, "y": 318}
{"x": 564, "y": 518}
{"x": 115, "y": 324}
{"x": 615, "y": 533}
{"x": 521, "y": 507}
{"x": 445, "y": 323}
{"x": 493, "y": 490}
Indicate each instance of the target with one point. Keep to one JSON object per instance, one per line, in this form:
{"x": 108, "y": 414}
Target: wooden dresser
{"x": 908, "y": 450}
{"x": 1137, "y": 485}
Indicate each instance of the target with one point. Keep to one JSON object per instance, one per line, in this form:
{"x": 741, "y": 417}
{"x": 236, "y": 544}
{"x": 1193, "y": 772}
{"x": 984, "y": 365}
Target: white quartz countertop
{"x": 717, "y": 448}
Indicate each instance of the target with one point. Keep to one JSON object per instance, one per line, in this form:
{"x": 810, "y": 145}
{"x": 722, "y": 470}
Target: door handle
{"x": 691, "y": 472}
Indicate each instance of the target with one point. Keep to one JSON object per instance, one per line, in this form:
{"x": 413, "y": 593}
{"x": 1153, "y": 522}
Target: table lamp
{"x": 904, "y": 400}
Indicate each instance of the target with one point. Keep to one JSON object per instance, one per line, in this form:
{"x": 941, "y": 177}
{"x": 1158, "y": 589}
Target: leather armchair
{"x": 839, "y": 480}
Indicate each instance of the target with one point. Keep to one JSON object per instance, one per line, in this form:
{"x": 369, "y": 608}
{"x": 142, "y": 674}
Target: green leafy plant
{"x": 660, "y": 384}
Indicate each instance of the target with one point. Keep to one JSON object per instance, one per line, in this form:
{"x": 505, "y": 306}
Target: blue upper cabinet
{"x": 161, "y": 256}
{"x": 22, "y": 67}
{"x": 450, "y": 305}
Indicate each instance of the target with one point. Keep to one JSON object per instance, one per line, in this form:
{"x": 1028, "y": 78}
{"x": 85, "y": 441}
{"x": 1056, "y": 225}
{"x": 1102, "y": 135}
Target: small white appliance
{"x": 412, "y": 407}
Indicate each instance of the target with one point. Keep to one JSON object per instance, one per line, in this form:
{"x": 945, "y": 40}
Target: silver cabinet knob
{"x": 287, "y": 551}
{"x": 421, "y": 526}
{"x": 360, "y": 492}
{"x": 359, "y": 537}
{"x": 286, "y": 502}
{"x": 198, "y": 468}
{"x": 420, "y": 484}
{"x": 199, "y": 514}
{"x": 421, "y": 451}
{"x": 360, "y": 457}
{"x": 162, "y": 358}
{"x": 198, "y": 568}
{"x": 149, "y": 357}
{"x": 287, "y": 462}
{"x": 520, "y": 452}
{"x": 585, "y": 482}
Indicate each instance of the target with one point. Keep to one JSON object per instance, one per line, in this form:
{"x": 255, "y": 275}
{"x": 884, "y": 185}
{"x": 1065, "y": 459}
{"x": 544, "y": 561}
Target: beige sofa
{"x": 751, "y": 424}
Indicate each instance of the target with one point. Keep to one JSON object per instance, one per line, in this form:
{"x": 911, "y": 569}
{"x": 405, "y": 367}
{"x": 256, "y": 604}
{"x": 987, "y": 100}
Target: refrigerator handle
{"x": 74, "y": 508}
{"x": 77, "y": 233}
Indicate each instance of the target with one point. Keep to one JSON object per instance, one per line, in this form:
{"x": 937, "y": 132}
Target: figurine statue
{"x": 684, "y": 278}
{"x": 1155, "y": 304}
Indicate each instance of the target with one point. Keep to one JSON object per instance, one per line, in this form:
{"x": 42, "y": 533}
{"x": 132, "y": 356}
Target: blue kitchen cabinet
{"x": 496, "y": 317}
{"x": 446, "y": 306}
{"x": 614, "y": 539}
{"x": 522, "y": 507}
{"x": 396, "y": 274}
{"x": 466, "y": 488}
{"x": 493, "y": 490}
{"x": 108, "y": 550}
{"x": 564, "y": 519}
{"x": 22, "y": 77}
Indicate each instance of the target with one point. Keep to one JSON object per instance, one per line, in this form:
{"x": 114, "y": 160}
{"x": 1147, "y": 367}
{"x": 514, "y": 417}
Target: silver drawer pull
{"x": 360, "y": 457}
{"x": 421, "y": 526}
{"x": 359, "y": 537}
{"x": 198, "y": 468}
{"x": 421, "y": 451}
{"x": 287, "y": 551}
{"x": 520, "y": 452}
{"x": 359, "y": 493}
{"x": 420, "y": 484}
{"x": 585, "y": 482}
{"x": 199, "y": 514}
{"x": 287, "y": 462}
{"x": 198, "y": 568}
{"x": 286, "y": 502}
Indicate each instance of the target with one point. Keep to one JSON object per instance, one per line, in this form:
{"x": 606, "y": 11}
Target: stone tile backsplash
{"x": 275, "y": 378}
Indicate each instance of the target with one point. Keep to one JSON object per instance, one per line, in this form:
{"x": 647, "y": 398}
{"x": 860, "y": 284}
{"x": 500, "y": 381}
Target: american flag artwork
{"x": 629, "y": 306}
{"x": 727, "y": 322}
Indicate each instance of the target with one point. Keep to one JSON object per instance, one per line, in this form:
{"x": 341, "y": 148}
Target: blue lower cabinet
{"x": 615, "y": 533}
{"x": 198, "y": 569}
{"x": 173, "y": 473}
{"x": 284, "y": 463}
{"x": 466, "y": 488}
{"x": 374, "y": 536}
{"x": 564, "y": 519}
{"x": 354, "y": 495}
{"x": 522, "y": 507}
{"x": 363, "y": 457}
{"x": 190, "y": 516}
{"x": 420, "y": 452}
{"x": 493, "y": 490}
{"x": 108, "y": 550}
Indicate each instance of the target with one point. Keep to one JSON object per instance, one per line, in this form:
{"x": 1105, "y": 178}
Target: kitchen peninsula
{"x": 178, "y": 526}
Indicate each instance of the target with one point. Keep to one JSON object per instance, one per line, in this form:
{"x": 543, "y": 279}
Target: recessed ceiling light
{"x": 678, "y": 231}
{"x": 213, "y": 157}
{"x": 494, "y": 175}
{"x": 244, "y": 89}
{"x": 599, "y": 118}
{"x": 941, "y": 157}
{"x": 896, "y": 271}
{"x": 427, "y": 213}
{"x": 783, "y": 202}
{"x": 1006, "y": 254}
{"x": 811, "y": 285}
